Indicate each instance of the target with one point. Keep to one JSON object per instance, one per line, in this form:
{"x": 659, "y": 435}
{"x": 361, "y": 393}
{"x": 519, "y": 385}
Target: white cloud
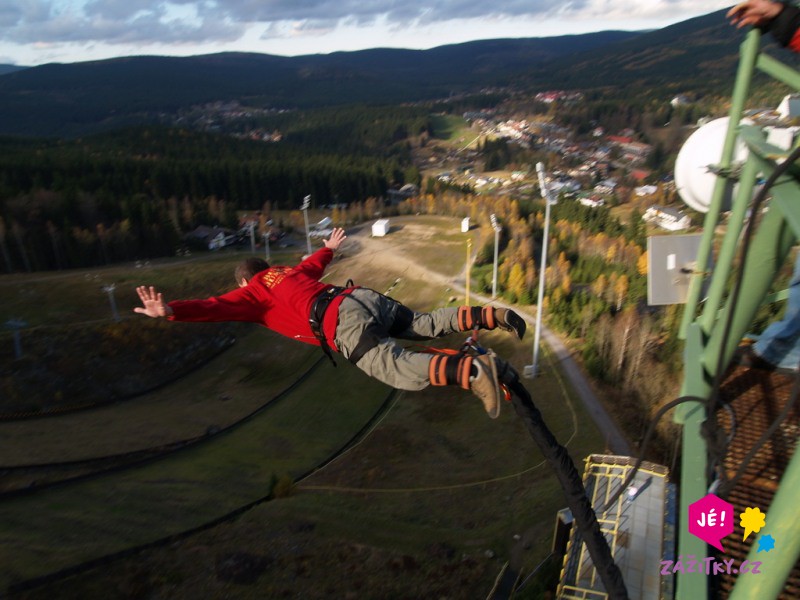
{"x": 118, "y": 22}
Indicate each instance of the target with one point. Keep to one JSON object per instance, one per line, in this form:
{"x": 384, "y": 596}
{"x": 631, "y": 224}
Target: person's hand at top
{"x": 754, "y": 12}
{"x": 153, "y": 304}
{"x": 336, "y": 239}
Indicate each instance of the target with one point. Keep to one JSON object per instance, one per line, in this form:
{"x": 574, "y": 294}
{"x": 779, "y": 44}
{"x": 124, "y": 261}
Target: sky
{"x": 34, "y": 32}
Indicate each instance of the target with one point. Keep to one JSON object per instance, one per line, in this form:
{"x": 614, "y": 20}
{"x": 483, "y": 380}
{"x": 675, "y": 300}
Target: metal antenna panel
{"x": 671, "y": 262}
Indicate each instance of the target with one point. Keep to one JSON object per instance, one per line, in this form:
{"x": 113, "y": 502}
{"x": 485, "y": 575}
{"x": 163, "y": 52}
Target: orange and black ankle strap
{"x": 470, "y": 317}
{"x": 450, "y": 369}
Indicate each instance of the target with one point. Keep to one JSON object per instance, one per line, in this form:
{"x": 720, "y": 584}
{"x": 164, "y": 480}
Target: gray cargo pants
{"x": 366, "y": 312}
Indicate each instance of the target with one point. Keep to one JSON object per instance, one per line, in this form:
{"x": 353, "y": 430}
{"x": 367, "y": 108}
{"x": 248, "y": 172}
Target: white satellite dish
{"x": 694, "y": 178}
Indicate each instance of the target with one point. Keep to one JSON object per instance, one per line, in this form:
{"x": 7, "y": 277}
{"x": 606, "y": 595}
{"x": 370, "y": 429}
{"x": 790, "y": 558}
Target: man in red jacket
{"x": 357, "y": 322}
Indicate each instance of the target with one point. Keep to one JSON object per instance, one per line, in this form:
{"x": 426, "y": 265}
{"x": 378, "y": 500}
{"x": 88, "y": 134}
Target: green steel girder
{"x": 712, "y": 336}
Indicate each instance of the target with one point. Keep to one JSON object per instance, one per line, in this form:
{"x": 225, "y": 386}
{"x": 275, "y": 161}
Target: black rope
{"x": 575, "y": 492}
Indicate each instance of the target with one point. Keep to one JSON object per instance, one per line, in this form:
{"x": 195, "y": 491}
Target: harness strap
{"x": 317, "y": 316}
{"x": 368, "y": 340}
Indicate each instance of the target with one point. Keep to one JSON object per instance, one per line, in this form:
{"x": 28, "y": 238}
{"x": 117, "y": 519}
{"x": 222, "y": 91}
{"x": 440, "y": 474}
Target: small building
{"x": 380, "y": 227}
{"x": 782, "y": 137}
{"x": 409, "y": 190}
{"x": 565, "y": 185}
{"x": 789, "y": 106}
{"x": 592, "y": 201}
{"x": 645, "y": 190}
{"x": 213, "y": 238}
{"x": 640, "y": 174}
{"x": 324, "y": 223}
{"x": 321, "y": 229}
{"x": 607, "y": 186}
{"x": 680, "y": 100}
{"x": 667, "y": 218}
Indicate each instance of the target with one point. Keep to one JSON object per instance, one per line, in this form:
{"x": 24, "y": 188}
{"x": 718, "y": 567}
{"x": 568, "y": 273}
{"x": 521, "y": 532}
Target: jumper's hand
{"x": 336, "y": 239}
{"x": 153, "y": 303}
{"x": 754, "y": 12}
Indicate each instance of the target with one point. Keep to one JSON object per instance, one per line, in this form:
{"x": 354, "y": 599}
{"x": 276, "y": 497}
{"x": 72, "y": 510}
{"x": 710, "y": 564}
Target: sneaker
{"x": 485, "y": 385}
{"x": 508, "y": 320}
{"x": 747, "y": 356}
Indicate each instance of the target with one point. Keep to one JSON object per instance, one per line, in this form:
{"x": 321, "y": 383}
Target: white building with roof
{"x": 667, "y": 218}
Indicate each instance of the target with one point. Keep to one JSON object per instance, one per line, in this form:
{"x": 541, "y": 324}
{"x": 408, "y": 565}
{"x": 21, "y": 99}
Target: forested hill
{"x": 73, "y": 99}
{"x": 698, "y": 55}
{"x": 9, "y": 69}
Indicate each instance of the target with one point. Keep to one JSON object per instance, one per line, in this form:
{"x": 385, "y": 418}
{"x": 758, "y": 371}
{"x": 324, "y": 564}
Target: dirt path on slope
{"x": 365, "y": 252}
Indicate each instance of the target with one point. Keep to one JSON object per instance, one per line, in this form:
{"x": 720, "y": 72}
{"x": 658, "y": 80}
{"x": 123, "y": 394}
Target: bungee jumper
{"x": 362, "y": 325}
{"x": 356, "y": 322}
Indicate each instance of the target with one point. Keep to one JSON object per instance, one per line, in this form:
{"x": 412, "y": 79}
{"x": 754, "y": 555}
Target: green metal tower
{"x": 713, "y": 327}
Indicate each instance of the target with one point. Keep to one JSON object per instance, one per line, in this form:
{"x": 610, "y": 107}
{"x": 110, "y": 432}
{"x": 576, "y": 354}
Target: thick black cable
{"x": 574, "y": 490}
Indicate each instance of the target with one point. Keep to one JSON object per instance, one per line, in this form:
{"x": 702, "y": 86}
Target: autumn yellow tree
{"x": 599, "y": 286}
{"x": 641, "y": 264}
{"x": 336, "y": 216}
{"x": 620, "y": 290}
{"x": 516, "y": 283}
{"x": 622, "y": 334}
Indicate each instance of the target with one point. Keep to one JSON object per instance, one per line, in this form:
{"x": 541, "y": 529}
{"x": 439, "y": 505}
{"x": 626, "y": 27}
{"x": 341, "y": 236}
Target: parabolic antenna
{"x": 693, "y": 176}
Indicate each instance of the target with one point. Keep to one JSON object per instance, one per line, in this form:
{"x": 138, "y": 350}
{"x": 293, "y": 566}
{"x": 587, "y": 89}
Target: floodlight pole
{"x": 109, "y": 289}
{"x": 531, "y": 371}
{"x": 497, "y": 230}
{"x": 469, "y": 252}
{"x": 16, "y": 325}
{"x": 304, "y": 208}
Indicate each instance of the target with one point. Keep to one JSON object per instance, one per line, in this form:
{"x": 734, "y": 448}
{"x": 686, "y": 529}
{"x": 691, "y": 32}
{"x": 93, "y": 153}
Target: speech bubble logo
{"x": 711, "y": 519}
{"x": 752, "y": 519}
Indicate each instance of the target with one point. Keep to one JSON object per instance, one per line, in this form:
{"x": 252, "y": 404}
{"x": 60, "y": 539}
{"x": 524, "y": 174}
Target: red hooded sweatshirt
{"x": 279, "y": 298}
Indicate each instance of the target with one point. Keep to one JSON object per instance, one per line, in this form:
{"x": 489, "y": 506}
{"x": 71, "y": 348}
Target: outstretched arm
{"x": 336, "y": 239}
{"x": 153, "y": 304}
{"x": 754, "y": 12}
